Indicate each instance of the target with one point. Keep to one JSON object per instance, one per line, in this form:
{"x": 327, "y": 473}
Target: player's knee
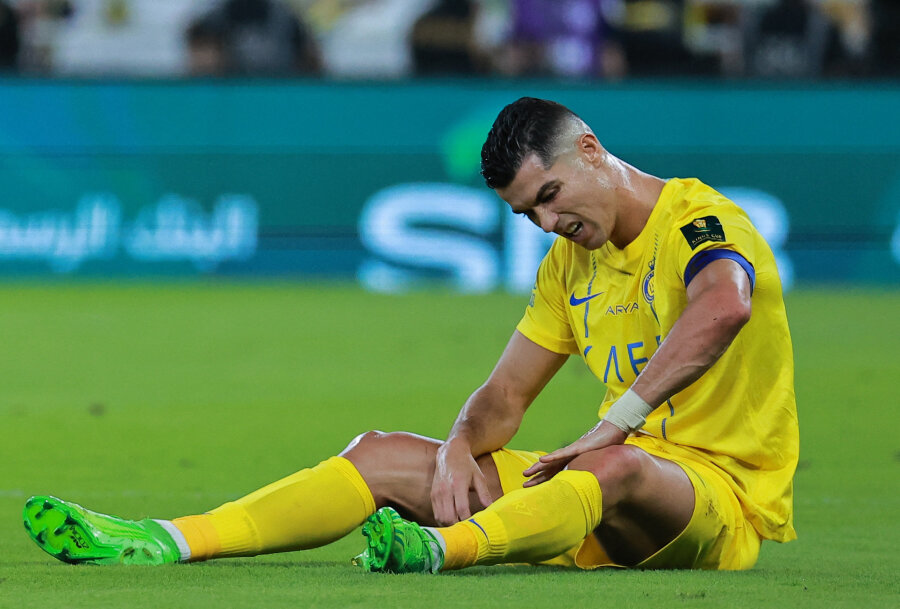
{"x": 366, "y": 441}
{"x": 392, "y": 450}
{"x": 397, "y": 468}
{"x": 372, "y": 455}
{"x": 619, "y": 469}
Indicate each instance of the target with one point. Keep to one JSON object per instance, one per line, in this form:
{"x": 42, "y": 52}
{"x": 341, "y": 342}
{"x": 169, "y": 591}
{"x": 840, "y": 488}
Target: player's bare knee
{"x": 369, "y": 452}
{"x": 397, "y": 468}
{"x": 390, "y": 454}
{"x": 619, "y": 470}
{"x": 363, "y": 442}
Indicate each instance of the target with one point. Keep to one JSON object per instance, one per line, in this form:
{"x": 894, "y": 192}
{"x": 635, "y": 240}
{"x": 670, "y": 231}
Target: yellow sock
{"x": 461, "y": 545}
{"x": 308, "y": 509}
{"x": 527, "y": 525}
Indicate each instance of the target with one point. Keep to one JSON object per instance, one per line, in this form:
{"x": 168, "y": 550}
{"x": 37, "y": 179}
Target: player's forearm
{"x": 697, "y": 340}
{"x": 488, "y": 420}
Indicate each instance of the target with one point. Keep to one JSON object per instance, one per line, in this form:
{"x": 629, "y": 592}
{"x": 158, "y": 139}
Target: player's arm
{"x": 487, "y": 421}
{"x": 718, "y": 307}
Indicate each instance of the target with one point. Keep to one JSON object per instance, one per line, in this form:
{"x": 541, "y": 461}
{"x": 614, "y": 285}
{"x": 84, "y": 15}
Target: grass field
{"x": 163, "y": 400}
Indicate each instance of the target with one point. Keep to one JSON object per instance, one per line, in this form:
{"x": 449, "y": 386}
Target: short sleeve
{"x": 710, "y": 232}
{"x": 546, "y": 321}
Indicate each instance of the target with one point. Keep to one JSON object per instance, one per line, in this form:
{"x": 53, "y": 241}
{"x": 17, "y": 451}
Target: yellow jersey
{"x": 614, "y": 307}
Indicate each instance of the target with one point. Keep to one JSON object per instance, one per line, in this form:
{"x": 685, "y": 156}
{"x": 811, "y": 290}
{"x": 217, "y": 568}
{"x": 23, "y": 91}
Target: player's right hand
{"x": 456, "y": 473}
{"x": 600, "y": 436}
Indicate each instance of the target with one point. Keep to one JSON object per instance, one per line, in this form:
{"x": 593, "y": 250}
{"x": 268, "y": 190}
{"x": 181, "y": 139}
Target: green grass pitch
{"x": 169, "y": 399}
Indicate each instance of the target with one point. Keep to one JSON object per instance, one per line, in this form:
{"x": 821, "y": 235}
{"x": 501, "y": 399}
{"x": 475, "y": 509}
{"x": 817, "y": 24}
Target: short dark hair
{"x": 528, "y": 125}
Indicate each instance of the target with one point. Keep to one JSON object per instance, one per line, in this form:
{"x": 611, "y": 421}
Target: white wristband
{"x": 629, "y": 412}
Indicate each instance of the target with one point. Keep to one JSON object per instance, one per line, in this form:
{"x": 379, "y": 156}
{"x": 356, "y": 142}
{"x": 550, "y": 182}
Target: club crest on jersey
{"x": 648, "y": 291}
{"x": 647, "y": 288}
{"x": 701, "y": 230}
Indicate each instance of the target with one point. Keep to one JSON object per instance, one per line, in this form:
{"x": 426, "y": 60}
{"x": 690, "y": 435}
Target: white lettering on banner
{"x": 525, "y": 245}
{"x": 177, "y": 229}
{"x": 414, "y": 229}
{"x": 64, "y": 240}
{"x": 173, "y": 229}
{"x": 433, "y": 226}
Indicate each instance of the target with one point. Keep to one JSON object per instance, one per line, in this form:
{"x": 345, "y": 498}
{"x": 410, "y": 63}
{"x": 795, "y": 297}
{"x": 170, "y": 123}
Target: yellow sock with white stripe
{"x": 527, "y": 525}
{"x": 308, "y": 509}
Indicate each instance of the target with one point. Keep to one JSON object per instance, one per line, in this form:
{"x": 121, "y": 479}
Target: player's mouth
{"x": 573, "y": 230}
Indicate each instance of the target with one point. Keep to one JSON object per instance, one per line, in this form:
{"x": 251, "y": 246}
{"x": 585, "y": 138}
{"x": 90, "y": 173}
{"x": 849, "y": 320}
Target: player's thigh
{"x": 647, "y": 501}
{"x": 717, "y": 536}
{"x": 399, "y": 469}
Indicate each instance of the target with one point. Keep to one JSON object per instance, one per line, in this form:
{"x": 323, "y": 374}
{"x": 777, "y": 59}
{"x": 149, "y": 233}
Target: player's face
{"x": 570, "y": 198}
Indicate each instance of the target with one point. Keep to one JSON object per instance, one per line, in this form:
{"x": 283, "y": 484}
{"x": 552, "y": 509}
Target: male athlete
{"x": 671, "y": 297}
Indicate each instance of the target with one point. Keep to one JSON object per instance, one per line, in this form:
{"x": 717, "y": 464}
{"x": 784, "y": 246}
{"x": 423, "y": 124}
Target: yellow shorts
{"x": 717, "y": 536}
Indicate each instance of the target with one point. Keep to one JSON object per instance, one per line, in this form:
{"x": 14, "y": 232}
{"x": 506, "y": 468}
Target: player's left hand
{"x": 600, "y": 436}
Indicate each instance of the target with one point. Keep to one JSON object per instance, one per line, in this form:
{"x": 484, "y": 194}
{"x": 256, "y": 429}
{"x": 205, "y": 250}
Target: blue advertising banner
{"x": 380, "y": 182}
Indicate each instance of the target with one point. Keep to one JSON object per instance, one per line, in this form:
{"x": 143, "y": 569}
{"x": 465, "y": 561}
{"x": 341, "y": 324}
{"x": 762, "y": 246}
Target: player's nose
{"x": 547, "y": 220}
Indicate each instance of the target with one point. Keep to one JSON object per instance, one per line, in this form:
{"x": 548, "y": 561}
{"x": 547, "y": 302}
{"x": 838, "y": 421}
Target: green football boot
{"x": 395, "y": 545}
{"x": 73, "y": 534}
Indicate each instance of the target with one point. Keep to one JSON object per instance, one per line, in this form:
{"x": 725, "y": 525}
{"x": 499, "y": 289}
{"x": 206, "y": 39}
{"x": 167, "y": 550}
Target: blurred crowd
{"x": 385, "y": 39}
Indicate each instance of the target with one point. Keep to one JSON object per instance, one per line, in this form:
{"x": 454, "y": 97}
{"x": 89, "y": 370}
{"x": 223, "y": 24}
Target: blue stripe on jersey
{"x": 671, "y": 414}
{"x": 699, "y": 262}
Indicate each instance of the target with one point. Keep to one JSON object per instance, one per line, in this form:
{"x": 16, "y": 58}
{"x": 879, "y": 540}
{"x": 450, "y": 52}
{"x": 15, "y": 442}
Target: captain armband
{"x": 629, "y": 412}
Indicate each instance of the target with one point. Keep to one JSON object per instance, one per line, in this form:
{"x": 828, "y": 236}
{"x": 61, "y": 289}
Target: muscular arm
{"x": 492, "y": 414}
{"x": 718, "y": 307}
{"x": 487, "y": 421}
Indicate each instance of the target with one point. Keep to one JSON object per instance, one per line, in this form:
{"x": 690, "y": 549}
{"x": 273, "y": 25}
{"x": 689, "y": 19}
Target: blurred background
{"x": 340, "y": 139}
{"x": 398, "y": 39}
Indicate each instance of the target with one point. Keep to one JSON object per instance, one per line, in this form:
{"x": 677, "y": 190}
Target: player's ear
{"x": 590, "y": 147}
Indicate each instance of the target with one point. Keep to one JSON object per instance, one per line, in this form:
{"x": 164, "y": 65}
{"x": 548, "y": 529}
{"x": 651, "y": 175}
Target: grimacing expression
{"x": 565, "y": 199}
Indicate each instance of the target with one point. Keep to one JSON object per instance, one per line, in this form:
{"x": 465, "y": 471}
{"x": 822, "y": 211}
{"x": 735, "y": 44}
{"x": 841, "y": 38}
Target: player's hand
{"x": 456, "y": 473}
{"x": 600, "y": 436}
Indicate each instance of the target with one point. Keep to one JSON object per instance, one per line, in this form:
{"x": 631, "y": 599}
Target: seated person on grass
{"x": 671, "y": 297}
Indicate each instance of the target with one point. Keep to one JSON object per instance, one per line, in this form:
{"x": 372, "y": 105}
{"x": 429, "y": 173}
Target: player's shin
{"x": 308, "y": 509}
{"x": 527, "y": 525}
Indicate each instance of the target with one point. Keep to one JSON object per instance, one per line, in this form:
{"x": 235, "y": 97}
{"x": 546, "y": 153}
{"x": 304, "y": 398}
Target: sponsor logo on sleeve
{"x": 703, "y": 229}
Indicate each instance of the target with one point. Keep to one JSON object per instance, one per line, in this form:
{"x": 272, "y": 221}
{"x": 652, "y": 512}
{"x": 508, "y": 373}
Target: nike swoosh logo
{"x": 580, "y": 301}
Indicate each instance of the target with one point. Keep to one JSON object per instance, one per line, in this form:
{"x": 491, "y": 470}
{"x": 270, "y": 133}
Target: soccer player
{"x": 671, "y": 297}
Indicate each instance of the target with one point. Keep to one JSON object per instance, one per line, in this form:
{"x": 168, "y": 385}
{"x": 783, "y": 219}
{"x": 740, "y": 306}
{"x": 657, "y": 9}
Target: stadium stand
{"x": 395, "y": 39}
